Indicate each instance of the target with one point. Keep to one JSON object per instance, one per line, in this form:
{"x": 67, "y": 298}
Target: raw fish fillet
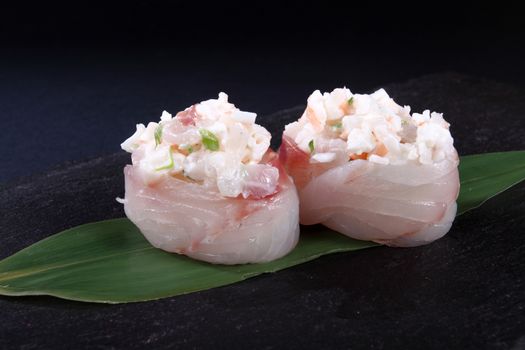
{"x": 189, "y": 218}
{"x": 397, "y": 205}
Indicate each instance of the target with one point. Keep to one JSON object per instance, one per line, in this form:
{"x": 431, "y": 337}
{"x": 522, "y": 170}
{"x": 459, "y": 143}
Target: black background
{"x": 76, "y": 76}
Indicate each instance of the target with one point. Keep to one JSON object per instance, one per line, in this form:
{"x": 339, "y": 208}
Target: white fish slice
{"x": 188, "y": 218}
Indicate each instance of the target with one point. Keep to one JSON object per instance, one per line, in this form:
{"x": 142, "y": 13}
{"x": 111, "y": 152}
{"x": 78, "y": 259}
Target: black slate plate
{"x": 466, "y": 290}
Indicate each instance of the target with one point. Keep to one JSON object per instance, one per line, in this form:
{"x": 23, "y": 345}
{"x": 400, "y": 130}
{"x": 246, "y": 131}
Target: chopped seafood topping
{"x": 373, "y": 127}
{"x": 212, "y": 142}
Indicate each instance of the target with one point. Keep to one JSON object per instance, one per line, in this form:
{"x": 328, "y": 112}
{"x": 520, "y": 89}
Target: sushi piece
{"x": 367, "y": 168}
{"x": 205, "y": 184}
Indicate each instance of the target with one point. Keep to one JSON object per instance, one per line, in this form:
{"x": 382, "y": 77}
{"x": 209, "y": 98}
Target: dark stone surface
{"x": 465, "y": 291}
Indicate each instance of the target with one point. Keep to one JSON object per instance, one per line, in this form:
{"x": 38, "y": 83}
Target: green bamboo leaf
{"x": 485, "y": 175}
{"x": 111, "y": 262}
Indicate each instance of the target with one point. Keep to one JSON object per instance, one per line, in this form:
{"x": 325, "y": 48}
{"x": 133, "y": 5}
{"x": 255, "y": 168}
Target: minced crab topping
{"x": 212, "y": 143}
{"x": 341, "y": 125}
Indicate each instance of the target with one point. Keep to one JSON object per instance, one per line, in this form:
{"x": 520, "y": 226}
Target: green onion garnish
{"x": 209, "y": 140}
{"x": 311, "y": 146}
{"x": 169, "y": 166}
{"x": 350, "y": 100}
{"x": 158, "y": 135}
